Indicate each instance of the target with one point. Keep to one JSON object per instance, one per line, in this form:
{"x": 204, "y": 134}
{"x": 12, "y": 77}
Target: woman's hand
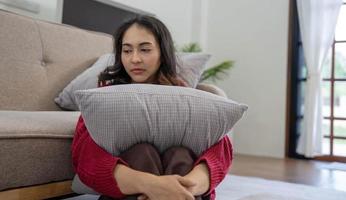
{"x": 199, "y": 175}
{"x": 196, "y": 182}
{"x": 153, "y": 187}
{"x": 168, "y": 187}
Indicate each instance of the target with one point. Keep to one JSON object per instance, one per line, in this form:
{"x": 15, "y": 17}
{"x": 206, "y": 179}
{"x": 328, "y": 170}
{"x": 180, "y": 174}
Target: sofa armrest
{"x": 211, "y": 88}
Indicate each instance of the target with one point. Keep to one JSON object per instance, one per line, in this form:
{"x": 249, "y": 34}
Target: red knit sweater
{"x": 95, "y": 166}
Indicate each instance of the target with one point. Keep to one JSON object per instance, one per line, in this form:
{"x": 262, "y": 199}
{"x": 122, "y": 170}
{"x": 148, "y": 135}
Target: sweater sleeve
{"x": 218, "y": 159}
{"x": 93, "y": 164}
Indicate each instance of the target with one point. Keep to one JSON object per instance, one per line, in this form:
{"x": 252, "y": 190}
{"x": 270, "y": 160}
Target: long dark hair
{"x": 166, "y": 74}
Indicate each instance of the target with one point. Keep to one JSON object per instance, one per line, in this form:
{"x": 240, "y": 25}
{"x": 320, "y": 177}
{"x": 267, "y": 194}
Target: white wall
{"x": 253, "y": 34}
{"x": 177, "y": 15}
{"x": 49, "y": 10}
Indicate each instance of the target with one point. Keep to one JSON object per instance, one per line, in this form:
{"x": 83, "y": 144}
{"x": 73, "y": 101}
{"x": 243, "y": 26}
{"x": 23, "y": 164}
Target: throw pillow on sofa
{"x": 190, "y": 67}
{"x": 120, "y": 116}
{"x": 86, "y": 80}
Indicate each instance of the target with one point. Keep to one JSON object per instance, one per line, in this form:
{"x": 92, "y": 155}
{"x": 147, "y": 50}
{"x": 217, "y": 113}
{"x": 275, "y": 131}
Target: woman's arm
{"x": 200, "y": 176}
{"x": 153, "y": 187}
{"x": 94, "y": 165}
{"x": 211, "y": 168}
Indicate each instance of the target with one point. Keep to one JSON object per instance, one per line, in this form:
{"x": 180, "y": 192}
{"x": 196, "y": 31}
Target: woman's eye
{"x": 126, "y": 51}
{"x": 146, "y": 50}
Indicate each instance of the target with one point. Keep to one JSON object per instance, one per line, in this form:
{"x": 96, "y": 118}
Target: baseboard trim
{"x": 44, "y": 191}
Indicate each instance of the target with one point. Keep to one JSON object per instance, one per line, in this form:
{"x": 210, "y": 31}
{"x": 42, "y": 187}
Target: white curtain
{"x": 317, "y": 20}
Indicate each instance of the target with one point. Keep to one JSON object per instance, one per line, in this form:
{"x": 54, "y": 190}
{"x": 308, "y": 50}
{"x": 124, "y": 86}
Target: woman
{"x": 144, "y": 53}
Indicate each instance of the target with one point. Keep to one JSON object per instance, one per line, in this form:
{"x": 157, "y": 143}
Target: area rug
{"x": 333, "y": 166}
{"x": 250, "y": 188}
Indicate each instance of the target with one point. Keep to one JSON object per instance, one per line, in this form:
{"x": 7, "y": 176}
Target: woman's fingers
{"x": 186, "y": 182}
{"x": 168, "y": 187}
{"x": 189, "y": 196}
{"x": 142, "y": 197}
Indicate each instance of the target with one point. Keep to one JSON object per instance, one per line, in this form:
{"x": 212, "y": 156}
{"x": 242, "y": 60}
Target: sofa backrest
{"x": 38, "y": 59}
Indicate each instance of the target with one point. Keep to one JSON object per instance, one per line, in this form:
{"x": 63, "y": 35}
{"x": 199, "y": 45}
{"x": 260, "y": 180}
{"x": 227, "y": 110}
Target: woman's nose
{"x": 135, "y": 57}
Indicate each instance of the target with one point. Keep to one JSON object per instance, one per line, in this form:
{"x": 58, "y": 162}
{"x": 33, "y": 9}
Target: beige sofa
{"x": 37, "y": 60}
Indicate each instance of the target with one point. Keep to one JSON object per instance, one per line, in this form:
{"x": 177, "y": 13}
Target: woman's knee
{"x": 179, "y": 151}
{"x": 178, "y": 160}
{"x": 144, "y": 148}
{"x": 143, "y": 157}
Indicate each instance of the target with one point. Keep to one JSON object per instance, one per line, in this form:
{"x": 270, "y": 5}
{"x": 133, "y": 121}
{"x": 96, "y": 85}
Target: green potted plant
{"x": 213, "y": 73}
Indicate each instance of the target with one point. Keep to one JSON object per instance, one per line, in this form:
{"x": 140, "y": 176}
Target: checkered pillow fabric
{"x": 120, "y": 116}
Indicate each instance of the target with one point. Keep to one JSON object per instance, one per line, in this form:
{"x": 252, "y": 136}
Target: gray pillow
{"x": 120, "y": 116}
{"x": 86, "y": 80}
{"x": 190, "y": 67}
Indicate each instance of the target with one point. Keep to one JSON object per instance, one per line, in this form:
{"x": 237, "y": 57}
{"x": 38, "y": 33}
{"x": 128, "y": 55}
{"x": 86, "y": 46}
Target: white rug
{"x": 249, "y": 188}
{"x": 334, "y": 166}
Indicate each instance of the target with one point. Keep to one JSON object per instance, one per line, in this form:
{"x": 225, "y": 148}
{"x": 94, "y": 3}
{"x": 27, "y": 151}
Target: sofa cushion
{"x": 35, "y": 147}
{"x": 49, "y": 54}
{"x": 22, "y": 45}
{"x": 191, "y": 66}
{"x": 86, "y": 80}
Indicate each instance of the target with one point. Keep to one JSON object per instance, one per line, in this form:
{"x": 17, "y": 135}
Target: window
{"x": 333, "y": 91}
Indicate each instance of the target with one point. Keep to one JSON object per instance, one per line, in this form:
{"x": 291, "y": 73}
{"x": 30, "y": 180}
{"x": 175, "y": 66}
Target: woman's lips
{"x": 137, "y": 71}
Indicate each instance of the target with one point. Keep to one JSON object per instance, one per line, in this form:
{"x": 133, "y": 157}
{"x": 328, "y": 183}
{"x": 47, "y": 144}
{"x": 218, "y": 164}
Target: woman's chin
{"x": 139, "y": 80}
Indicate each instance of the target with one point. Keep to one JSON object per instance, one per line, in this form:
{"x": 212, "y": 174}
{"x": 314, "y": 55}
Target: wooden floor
{"x": 289, "y": 170}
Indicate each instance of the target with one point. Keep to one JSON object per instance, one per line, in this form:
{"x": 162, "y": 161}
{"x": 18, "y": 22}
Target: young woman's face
{"x": 140, "y": 54}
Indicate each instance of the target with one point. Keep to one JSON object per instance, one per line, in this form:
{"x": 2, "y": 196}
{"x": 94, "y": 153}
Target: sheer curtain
{"x": 317, "y": 21}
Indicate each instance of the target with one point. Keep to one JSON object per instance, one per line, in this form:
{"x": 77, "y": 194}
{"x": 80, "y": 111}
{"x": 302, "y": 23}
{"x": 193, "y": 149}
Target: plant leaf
{"x": 191, "y": 47}
{"x": 213, "y": 73}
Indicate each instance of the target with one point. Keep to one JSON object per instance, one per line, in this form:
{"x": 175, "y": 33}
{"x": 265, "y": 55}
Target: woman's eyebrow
{"x": 140, "y": 44}
{"x": 145, "y": 43}
{"x": 126, "y": 44}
